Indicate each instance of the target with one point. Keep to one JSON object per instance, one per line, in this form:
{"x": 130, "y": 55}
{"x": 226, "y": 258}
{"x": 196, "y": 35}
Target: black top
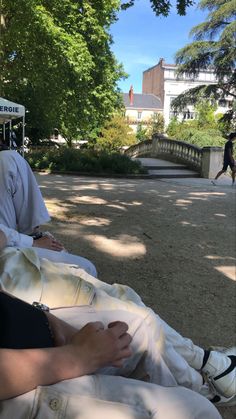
{"x": 228, "y": 152}
{"x": 22, "y": 326}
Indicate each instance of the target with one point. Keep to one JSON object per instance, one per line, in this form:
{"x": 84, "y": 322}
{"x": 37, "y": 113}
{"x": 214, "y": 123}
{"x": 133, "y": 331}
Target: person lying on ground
{"x": 23, "y": 211}
{"x": 101, "y": 366}
{"x": 61, "y": 285}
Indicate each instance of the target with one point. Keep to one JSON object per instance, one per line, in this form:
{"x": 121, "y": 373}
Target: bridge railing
{"x": 178, "y": 151}
{"x": 166, "y": 148}
{"x": 207, "y": 160}
{"x": 143, "y": 148}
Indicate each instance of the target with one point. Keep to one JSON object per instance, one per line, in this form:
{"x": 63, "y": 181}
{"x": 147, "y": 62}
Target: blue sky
{"x": 141, "y": 39}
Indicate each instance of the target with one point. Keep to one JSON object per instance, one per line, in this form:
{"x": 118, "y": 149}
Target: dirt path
{"x": 173, "y": 242}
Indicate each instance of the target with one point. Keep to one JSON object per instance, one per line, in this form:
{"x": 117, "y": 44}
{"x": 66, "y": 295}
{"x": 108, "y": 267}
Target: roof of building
{"x": 164, "y": 65}
{"x": 142, "y": 101}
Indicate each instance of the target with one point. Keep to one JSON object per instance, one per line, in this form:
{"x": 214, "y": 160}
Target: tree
{"x": 156, "y": 125}
{"x": 213, "y": 47}
{"x": 115, "y": 134}
{"x": 204, "y": 130}
{"x": 50, "y": 63}
{"x": 56, "y": 59}
{"x": 141, "y": 133}
{"x": 205, "y": 114}
{"x": 162, "y": 7}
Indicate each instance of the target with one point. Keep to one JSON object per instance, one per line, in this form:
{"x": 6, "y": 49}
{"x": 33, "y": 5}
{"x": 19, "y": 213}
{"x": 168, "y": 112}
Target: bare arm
{"x": 16, "y": 239}
{"x": 89, "y": 349}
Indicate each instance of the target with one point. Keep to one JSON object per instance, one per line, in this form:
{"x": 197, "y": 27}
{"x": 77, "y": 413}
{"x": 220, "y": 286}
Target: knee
{"x": 90, "y": 268}
{"x": 191, "y": 405}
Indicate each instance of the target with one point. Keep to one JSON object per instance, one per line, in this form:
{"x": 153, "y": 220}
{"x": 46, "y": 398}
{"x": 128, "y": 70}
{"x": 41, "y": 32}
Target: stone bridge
{"x": 205, "y": 162}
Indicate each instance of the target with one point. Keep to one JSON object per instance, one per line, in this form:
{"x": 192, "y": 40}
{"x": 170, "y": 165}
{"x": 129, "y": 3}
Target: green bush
{"x": 190, "y": 132}
{"x": 83, "y": 161}
{"x": 202, "y": 138}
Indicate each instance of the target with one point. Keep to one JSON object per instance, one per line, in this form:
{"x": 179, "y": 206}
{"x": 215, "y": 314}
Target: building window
{"x": 172, "y": 98}
{"x": 188, "y": 114}
{"x": 139, "y": 115}
{"x": 173, "y": 114}
{"x": 222, "y": 103}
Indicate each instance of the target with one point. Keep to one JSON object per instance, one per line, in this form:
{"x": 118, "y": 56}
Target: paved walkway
{"x": 172, "y": 240}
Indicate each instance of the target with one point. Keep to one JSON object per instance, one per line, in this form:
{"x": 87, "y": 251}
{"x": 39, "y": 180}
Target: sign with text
{"x": 10, "y": 110}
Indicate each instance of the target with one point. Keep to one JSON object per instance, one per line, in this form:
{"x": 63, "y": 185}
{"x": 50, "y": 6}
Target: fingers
{"x": 48, "y": 243}
{"x": 119, "y": 331}
{"x": 123, "y": 354}
{"x": 118, "y": 328}
{"x": 55, "y": 245}
{"x": 95, "y": 326}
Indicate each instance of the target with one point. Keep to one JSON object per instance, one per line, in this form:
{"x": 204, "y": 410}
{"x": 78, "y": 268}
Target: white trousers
{"x": 68, "y": 258}
{"x": 22, "y": 207}
{"x": 115, "y": 393}
{"x": 183, "y": 358}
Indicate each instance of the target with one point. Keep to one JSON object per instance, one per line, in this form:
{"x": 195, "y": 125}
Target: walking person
{"x": 228, "y": 158}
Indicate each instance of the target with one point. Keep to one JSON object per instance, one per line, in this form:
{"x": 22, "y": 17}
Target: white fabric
{"x": 106, "y": 395}
{"x": 56, "y": 284}
{"x": 22, "y": 209}
{"x": 16, "y": 239}
{"x": 68, "y": 258}
{"x": 21, "y": 204}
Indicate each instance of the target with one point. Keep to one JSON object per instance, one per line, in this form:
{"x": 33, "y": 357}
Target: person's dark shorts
{"x": 228, "y": 163}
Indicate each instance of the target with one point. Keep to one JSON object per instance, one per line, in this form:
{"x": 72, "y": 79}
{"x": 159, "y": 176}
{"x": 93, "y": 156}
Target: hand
{"x": 48, "y": 243}
{"x": 62, "y": 331}
{"x": 94, "y": 347}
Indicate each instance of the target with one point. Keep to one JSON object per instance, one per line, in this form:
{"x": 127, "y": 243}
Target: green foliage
{"x": 141, "y": 133}
{"x": 83, "y": 161}
{"x": 162, "y": 7}
{"x": 156, "y": 125}
{"x": 57, "y": 61}
{"x": 202, "y": 138}
{"x": 175, "y": 128}
{"x": 205, "y": 113}
{"x": 213, "y": 46}
{"x": 204, "y": 130}
{"x": 115, "y": 134}
{"x": 196, "y": 132}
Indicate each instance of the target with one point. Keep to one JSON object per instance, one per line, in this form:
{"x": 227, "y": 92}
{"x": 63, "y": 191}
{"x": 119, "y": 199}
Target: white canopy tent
{"x": 9, "y": 111}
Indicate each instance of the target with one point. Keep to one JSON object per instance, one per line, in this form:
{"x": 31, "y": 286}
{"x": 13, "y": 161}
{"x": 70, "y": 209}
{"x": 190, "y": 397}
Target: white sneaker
{"x": 217, "y": 399}
{"x": 220, "y": 373}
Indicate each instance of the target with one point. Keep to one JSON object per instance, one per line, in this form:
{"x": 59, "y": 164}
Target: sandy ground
{"x": 174, "y": 242}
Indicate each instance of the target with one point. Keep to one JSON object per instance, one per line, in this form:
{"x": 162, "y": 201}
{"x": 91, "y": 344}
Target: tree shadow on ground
{"x": 173, "y": 243}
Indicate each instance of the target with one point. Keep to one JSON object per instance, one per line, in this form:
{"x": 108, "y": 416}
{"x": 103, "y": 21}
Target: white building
{"x": 140, "y": 108}
{"x": 162, "y": 81}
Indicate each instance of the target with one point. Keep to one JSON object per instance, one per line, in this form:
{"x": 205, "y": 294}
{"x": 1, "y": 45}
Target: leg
{"x": 220, "y": 173}
{"x": 21, "y": 203}
{"x": 148, "y": 337}
{"x": 233, "y": 173}
{"x": 68, "y": 258}
{"x": 106, "y": 397}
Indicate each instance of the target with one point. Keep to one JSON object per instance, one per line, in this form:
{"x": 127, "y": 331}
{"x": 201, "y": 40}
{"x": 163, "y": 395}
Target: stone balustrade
{"x": 207, "y": 160}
